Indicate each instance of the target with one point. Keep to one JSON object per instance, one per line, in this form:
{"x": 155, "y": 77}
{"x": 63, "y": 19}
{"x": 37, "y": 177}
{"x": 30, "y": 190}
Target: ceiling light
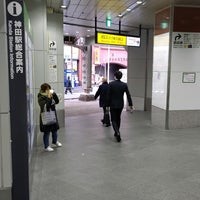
{"x": 139, "y": 1}
{"x": 63, "y": 7}
{"x": 88, "y": 30}
{"x": 132, "y": 7}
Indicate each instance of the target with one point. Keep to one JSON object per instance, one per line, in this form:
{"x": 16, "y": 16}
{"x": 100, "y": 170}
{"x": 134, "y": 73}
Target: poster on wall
{"x": 52, "y": 68}
{"x": 188, "y": 77}
{"x": 186, "y": 40}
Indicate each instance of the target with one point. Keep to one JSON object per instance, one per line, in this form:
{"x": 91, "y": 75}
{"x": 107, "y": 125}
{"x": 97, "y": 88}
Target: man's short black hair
{"x": 118, "y": 75}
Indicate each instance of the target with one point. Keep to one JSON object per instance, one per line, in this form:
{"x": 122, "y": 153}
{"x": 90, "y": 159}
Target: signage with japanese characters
{"x": 16, "y": 47}
{"x": 52, "y": 59}
{"x": 18, "y": 98}
{"x": 114, "y": 39}
{"x": 186, "y": 40}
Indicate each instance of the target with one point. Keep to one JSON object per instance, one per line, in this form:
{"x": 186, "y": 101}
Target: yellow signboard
{"x": 106, "y": 38}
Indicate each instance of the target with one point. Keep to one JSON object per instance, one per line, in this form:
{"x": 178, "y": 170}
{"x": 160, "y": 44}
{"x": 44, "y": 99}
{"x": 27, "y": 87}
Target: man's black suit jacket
{"x": 115, "y": 95}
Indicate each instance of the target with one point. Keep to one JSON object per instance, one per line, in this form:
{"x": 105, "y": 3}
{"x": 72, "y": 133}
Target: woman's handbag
{"x": 48, "y": 117}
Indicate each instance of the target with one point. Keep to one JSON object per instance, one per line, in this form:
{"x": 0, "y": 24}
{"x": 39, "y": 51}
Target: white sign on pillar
{"x": 186, "y": 40}
{"x": 52, "y": 47}
{"x": 52, "y": 68}
{"x": 52, "y": 61}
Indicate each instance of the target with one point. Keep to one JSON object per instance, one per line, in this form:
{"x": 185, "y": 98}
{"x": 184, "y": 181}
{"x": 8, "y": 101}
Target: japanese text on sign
{"x": 105, "y": 38}
{"x": 16, "y": 45}
{"x": 113, "y": 39}
{"x": 16, "y": 50}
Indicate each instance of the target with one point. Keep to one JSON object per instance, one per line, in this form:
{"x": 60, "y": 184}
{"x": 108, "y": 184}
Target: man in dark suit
{"x": 115, "y": 100}
{"x": 102, "y": 92}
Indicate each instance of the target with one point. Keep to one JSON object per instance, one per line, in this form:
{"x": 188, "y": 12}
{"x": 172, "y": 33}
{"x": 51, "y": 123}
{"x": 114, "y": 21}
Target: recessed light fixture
{"x": 66, "y": 33}
{"x": 88, "y": 30}
{"x": 63, "y": 7}
{"x": 88, "y": 35}
{"x": 128, "y": 9}
{"x": 139, "y": 1}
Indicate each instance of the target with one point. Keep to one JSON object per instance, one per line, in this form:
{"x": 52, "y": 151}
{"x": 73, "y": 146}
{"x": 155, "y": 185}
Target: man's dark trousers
{"x": 116, "y": 118}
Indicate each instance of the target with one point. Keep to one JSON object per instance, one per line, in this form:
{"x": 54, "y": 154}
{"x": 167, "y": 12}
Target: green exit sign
{"x": 108, "y": 22}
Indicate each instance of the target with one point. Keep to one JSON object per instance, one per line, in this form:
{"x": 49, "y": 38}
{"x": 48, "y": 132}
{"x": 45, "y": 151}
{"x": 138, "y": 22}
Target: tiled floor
{"x": 149, "y": 163}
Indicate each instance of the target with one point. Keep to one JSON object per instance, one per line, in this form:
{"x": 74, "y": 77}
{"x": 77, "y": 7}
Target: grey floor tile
{"x": 149, "y": 164}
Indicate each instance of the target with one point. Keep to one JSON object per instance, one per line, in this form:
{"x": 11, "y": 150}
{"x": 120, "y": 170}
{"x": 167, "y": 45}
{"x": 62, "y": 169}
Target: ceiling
{"x": 79, "y": 15}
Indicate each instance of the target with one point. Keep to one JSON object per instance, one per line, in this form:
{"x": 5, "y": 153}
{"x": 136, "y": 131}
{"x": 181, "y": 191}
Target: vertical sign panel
{"x": 18, "y": 100}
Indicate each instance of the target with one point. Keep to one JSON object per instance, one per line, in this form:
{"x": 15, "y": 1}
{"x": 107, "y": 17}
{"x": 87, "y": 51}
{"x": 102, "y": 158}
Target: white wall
{"x": 160, "y": 70}
{"x": 38, "y": 20}
{"x": 185, "y": 96}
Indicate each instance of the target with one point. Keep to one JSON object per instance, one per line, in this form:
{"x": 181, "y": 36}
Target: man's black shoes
{"x": 118, "y": 137}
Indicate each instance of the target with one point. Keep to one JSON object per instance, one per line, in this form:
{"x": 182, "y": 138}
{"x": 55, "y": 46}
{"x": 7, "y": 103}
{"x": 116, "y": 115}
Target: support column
{"x": 38, "y": 17}
{"x": 140, "y": 71}
{"x": 55, "y": 61}
{"x": 87, "y": 65}
{"x": 175, "y": 96}
{"x": 87, "y": 71}
{"x": 48, "y": 55}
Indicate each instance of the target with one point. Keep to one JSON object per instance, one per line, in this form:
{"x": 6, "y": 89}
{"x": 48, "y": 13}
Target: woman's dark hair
{"x": 45, "y": 86}
{"x": 118, "y": 75}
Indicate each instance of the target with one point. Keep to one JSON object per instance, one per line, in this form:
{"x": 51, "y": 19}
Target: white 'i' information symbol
{"x": 14, "y": 8}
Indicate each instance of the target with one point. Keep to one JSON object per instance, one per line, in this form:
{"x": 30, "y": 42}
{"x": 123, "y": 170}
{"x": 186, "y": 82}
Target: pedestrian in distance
{"x": 102, "y": 94}
{"x": 47, "y": 99}
{"x": 68, "y": 85}
{"x": 115, "y": 100}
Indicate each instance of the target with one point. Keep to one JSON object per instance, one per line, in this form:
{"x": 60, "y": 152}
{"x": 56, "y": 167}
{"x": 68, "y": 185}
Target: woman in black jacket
{"x": 48, "y": 99}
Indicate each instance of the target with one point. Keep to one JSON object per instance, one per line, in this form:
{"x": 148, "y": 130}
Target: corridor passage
{"x": 149, "y": 163}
